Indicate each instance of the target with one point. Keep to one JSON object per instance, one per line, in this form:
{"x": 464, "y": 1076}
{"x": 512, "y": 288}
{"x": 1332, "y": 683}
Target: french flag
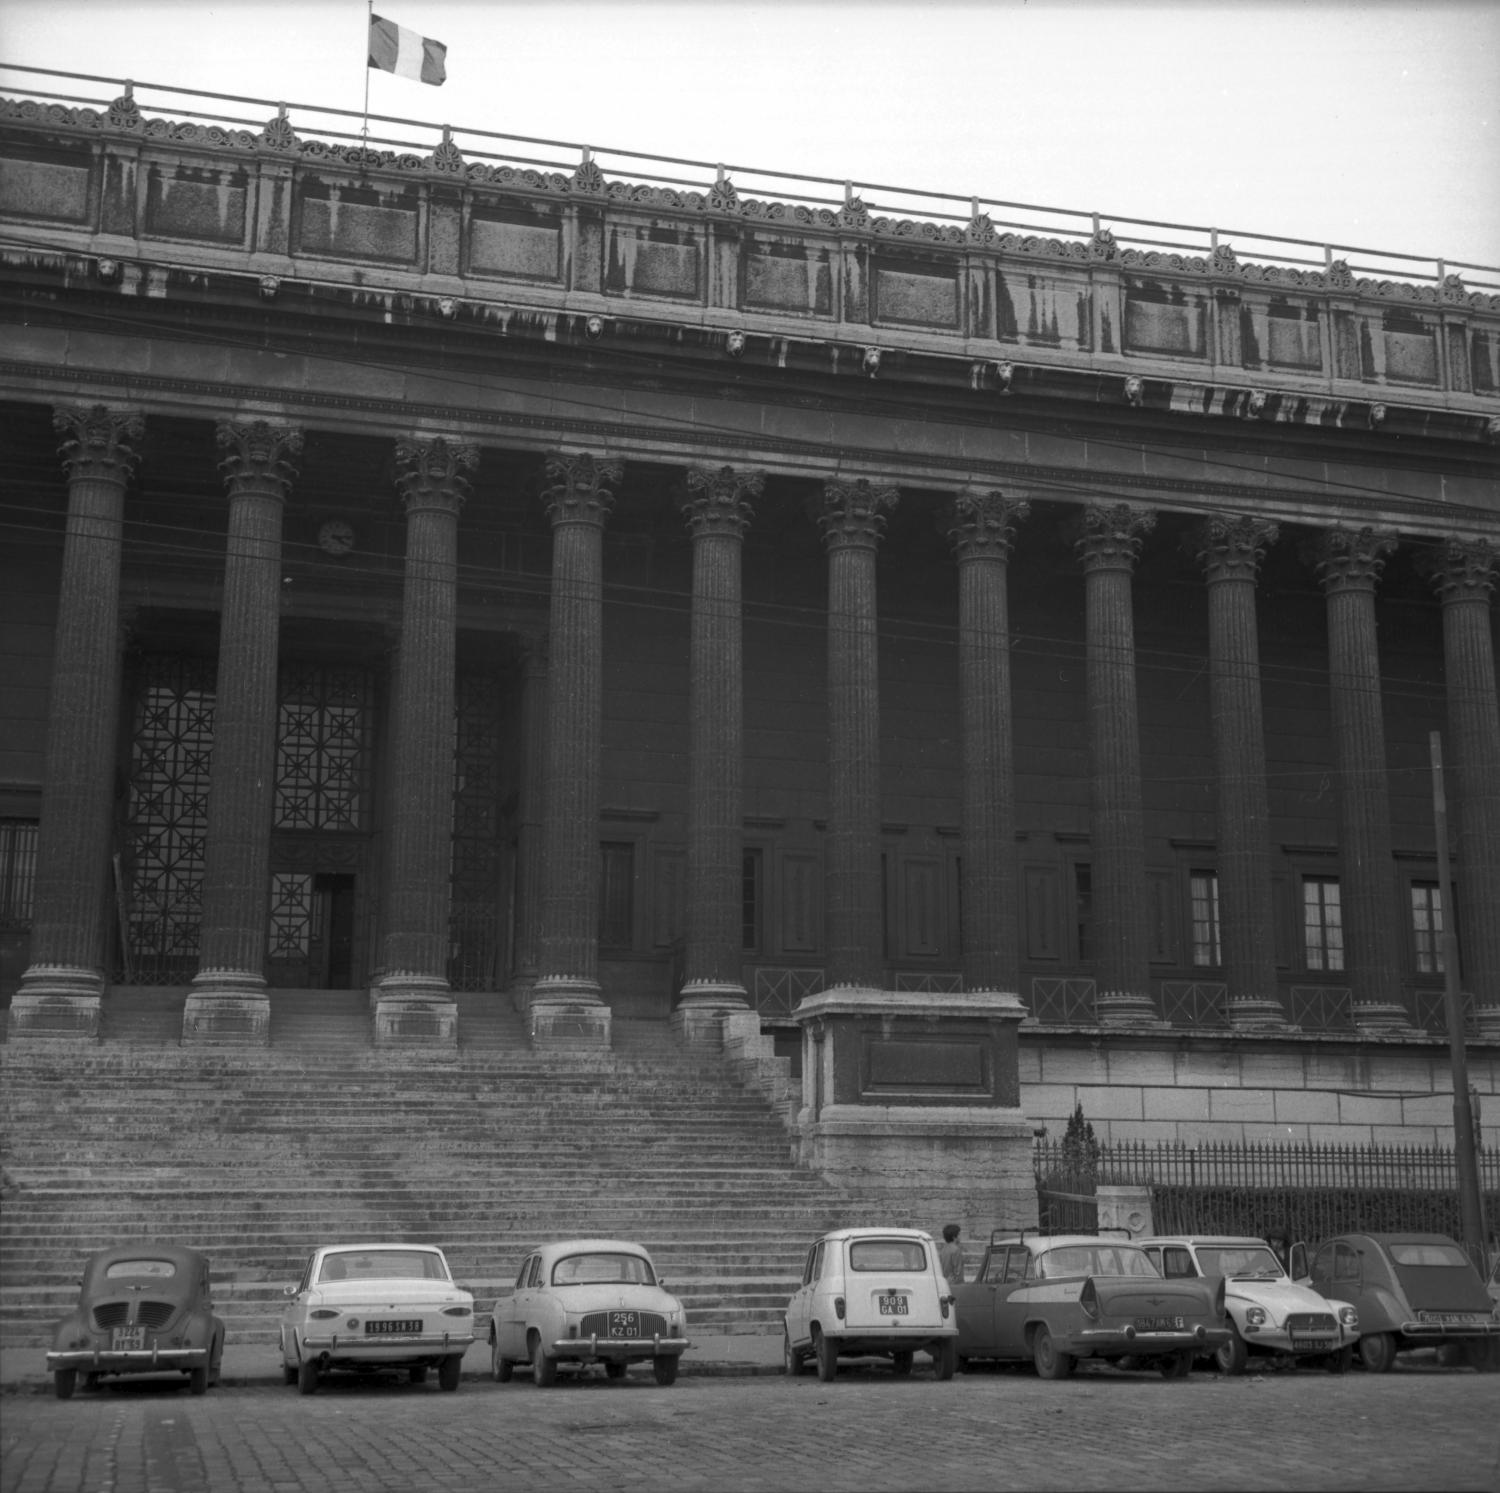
{"x": 397, "y": 49}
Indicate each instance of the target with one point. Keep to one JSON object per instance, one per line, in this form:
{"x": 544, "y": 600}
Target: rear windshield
{"x": 1095, "y": 1259}
{"x": 887, "y": 1254}
{"x": 605, "y": 1269}
{"x": 1243, "y": 1262}
{"x": 383, "y": 1264}
{"x": 1429, "y": 1254}
{"x": 156, "y": 1269}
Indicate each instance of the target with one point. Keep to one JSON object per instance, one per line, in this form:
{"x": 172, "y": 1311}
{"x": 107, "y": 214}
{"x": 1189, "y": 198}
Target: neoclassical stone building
{"x": 424, "y": 574}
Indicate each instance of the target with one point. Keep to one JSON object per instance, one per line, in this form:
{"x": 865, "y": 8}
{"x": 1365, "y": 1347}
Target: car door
{"x": 1013, "y": 1303}
{"x": 510, "y": 1322}
{"x": 798, "y": 1309}
{"x": 976, "y": 1306}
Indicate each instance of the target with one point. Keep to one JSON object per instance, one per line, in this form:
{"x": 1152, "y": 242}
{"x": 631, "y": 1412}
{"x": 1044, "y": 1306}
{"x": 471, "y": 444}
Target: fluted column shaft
{"x": 578, "y": 502}
{"x": 1350, "y": 562}
{"x": 982, "y": 534}
{"x": 528, "y": 870}
{"x": 717, "y": 513}
{"x": 237, "y": 850}
{"x": 1108, "y": 549}
{"x": 1230, "y": 551}
{"x": 851, "y": 516}
{"x": 1464, "y": 573}
{"x": 66, "y": 974}
{"x": 433, "y": 477}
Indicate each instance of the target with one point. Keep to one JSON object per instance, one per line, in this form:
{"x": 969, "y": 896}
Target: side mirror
{"x": 290, "y": 1291}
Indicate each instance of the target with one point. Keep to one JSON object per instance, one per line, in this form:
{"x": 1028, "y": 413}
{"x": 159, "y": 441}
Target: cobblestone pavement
{"x": 1409, "y": 1430}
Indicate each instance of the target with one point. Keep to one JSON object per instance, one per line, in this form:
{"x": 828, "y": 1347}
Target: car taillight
{"x": 458, "y": 1311}
{"x": 838, "y": 1306}
{"x": 943, "y": 1301}
{"x": 321, "y": 1313}
{"x": 1089, "y": 1300}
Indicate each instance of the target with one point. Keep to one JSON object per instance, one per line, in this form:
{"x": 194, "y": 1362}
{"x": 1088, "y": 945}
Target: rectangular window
{"x": 1322, "y": 923}
{"x": 617, "y": 894}
{"x": 1083, "y": 908}
{"x": 1203, "y": 892}
{"x": 17, "y": 871}
{"x": 1427, "y": 926}
{"x": 752, "y": 899}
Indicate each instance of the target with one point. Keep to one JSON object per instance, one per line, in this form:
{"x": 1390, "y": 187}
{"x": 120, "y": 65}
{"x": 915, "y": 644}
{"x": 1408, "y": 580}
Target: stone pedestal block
{"x": 568, "y": 1014}
{"x": 702, "y": 1008}
{"x": 48, "y": 1012}
{"x": 407, "y": 1020}
{"x": 222, "y": 1016}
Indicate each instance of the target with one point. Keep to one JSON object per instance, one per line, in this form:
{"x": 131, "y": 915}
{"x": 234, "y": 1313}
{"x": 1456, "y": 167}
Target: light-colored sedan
{"x": 361, "y": 1308}
{"x": 587, "y": 1301}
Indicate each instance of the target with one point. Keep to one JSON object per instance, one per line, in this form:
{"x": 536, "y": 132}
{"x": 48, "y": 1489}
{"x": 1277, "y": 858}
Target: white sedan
{"x": 586, "y": 1301}
{"x": 364, "y": 1307}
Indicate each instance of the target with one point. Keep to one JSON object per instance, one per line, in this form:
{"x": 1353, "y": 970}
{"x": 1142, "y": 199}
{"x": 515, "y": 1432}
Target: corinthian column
{"x": 984, "y": 527}
{"x": 1463, "y": 572}
{"x": 412, "y": 998}
{"x": 1230, "y": 551}
{"x": 528, "y": 870}
{"x": 60, "y": 992}
{"x": 717, "y": 514}
{"x": 228, "y": 1002}
{"x": 1349, "y": 562}
{"x": 851, "y": 516}
{"x": 566, "y": 1003}
{"x": 1108, "y": 549}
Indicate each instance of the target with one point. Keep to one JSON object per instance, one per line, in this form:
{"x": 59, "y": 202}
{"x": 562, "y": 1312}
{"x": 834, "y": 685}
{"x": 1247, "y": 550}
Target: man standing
{"x": 951, "y": 1255}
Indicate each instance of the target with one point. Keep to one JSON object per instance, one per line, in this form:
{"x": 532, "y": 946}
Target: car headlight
{"x": 1255, "y": 1316}
{"x": 1348, "y": 1317}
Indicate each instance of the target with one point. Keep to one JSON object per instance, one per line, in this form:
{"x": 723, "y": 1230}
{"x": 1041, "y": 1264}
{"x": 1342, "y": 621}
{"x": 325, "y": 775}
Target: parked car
{"x": 1411, "y": 1291}
{"x": 142, "y": 1309}
{"x": 1057, "y": 1298}
{"x": 361, "y": 1308}
{"x": 871, "y": 1293}
{"x": 1270, "y": 1315}
{"x": 585, "y": 1301}
{"x": 1494, "y": 1286}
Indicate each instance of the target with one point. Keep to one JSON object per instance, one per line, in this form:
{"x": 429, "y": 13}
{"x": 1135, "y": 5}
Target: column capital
{"x": 98, "y": 441}
{"x": 1230, "y": 547}
{"x": 851, "y": 512}
{"x": 258, "y": 455}
{"x": 1109, "y": 535}
{"x": 719, "y": 500}
{"x": 984, "y": 523}
{"x": 1461, "y": 569}
{"x": 580, "y": 489}
{"x": 434, "y": 473}
{"x": 1352, "y": 559}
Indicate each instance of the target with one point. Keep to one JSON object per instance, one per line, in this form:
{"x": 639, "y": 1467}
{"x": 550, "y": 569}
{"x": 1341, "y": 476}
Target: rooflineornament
{"x": 594, "y": 326}
{"x": 1223, "y": 261}
{"x": 1339, "y": 275}
{"x": 1004, "y": 373}
{"x": 447, "y": 307}
{"x": 447, "y": 156}
{"x": 1377, "y": 415}
{"x": 588, "y": 179}
{"x": 1102, "y": 245}
{"x": 269, "y": 285}
{"x": 278, "y": 133}
{"x": 1453, "y": 291}
{"x": 872, "y": 361}
{"x": 734, "y": 344}
{"x": 1255, "y": 404}
{"x": 723, "y": 198}
{"x": 108, "y": 270}
{"x": 1135, "y": 392}
{"x": 124, "y": 112}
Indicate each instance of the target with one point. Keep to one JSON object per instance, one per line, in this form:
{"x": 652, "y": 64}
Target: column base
{"x": 226, "y": 1006}
{"x": 1258, "y": 1014}
{"x": 1489, "y": 1023}
{"x": 415, "y": 1011}
{"x": 1385, "y": 1020}
{"x": 55, "y": 1001}
{"x": 698, "y": 1019}
{"x": 1125, "y": 1009}
{"x": 567, "y": 1012}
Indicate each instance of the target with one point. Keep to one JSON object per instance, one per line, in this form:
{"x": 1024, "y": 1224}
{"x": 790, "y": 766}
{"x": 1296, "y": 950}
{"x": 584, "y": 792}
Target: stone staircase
{"x": 257, "y": 1155}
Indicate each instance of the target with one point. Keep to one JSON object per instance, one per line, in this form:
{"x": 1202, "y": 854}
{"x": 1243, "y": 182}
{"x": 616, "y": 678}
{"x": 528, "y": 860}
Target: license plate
{"x": 893, "y": 1306}
{"x": 1457, "y": 1319}
{"x": 1158, "y": 1324}
{"x": 128, "y": 1339}
{"x": 624, "y": 1324}
{"x": 385, "y": 1328}
{"x": 1313, "y": 1344}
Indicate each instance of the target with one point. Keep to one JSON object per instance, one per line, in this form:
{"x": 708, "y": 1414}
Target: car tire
{"x": 543, "y": 1369}
{"x": 827, "y": 1354}
{"x": 307, "y": 1377}
{"x": 1377, "y": 1351}
{"x": 792, "y": 1361}
{"x": 501, "y": 1369}
{"x": 901, "y": 1361}
{"x": 1342, "y": 1361}
{"x": 945, "y": 1360}
{"x": 288, "y": 1374}
{"x": 1176, "y": 1365}
{"x": 64, "y": 1382}
{"x": 1231, "y": 1357}
{"x": 417, "y": 1374}
{"x": 615, "y": 1368}
{"x": 198, "y": 1380}
{"x": 1050, "y": 1361}
{"x": 450, "y": 1371}
{"x": 664, "y": 1367}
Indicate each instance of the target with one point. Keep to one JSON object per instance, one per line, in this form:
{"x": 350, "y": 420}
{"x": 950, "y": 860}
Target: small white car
{"x": 585, "y": 1301}
{"x": 364, "y": 1307}
{"x": 1272, "y": 1316}
{"x": 872, "y": 1293}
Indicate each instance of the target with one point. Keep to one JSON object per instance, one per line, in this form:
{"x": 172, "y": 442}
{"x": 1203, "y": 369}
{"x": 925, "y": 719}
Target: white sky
{"x": 1372, "y": 124}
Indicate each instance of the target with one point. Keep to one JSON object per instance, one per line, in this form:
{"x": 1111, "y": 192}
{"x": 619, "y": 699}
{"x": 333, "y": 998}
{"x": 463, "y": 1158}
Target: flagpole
{"x": 364, "y": 131}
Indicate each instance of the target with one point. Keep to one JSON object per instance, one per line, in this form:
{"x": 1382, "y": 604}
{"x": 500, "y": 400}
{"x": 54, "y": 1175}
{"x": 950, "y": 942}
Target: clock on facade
{"x": 336, "y": 537}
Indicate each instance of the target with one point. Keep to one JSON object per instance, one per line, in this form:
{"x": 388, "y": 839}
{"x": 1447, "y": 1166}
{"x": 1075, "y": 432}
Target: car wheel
{"x": 1050, "y": 1361}
{"x": 198, "y": 1380}
{"x": 1341, "y": 1361}
{"x": 64, "y": 1382}
{"x": 1230, "y": 1358}
{"x": 901, "y": 1362}
{"x": 307, "y": 1377}
{"x": 288, "y": 1374}
{"x": 945, "y": 1360}
{"x": 500, "y": 1368}
{"x": 417, "y": 1373}
{"x": 543, "y": 1369}
{"x": 1377, "y": 1351}
{"x": 614, "y": 1369}
{"x": 1176, "y": 1366}
{"x": 450, "y": 1370}
{"x": 664, "y": 1366}
{"x": 827, "y": 1355}
{"x": 792, "y": 1361}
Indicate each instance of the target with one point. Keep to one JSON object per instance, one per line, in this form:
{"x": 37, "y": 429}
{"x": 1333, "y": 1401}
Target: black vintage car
{"x": 143, "y": 1309}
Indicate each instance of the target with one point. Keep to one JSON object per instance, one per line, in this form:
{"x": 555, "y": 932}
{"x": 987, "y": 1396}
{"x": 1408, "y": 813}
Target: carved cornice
{"x": 1230, "y": 547}
{"x": 434, "y": 474}
{"x": 257, "y": 455}
{"x": 984, "y": 523}
{"x": 1352, "y": 559}
{"x": 1461, "y": 569}
{"x": 720, "y": 500}
{"x": 1109, "y": 535}
{"x": 98, "y": 442}
{"x": 581, "y": 487}
{"x": 851, "y": 512}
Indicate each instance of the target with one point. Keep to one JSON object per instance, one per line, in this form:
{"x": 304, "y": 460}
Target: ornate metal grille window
{"x": 322, "y": 749}
{"x": 474, "y": 920}
{"x": 161, "y": 891}
{"x": 17, "y": 872}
